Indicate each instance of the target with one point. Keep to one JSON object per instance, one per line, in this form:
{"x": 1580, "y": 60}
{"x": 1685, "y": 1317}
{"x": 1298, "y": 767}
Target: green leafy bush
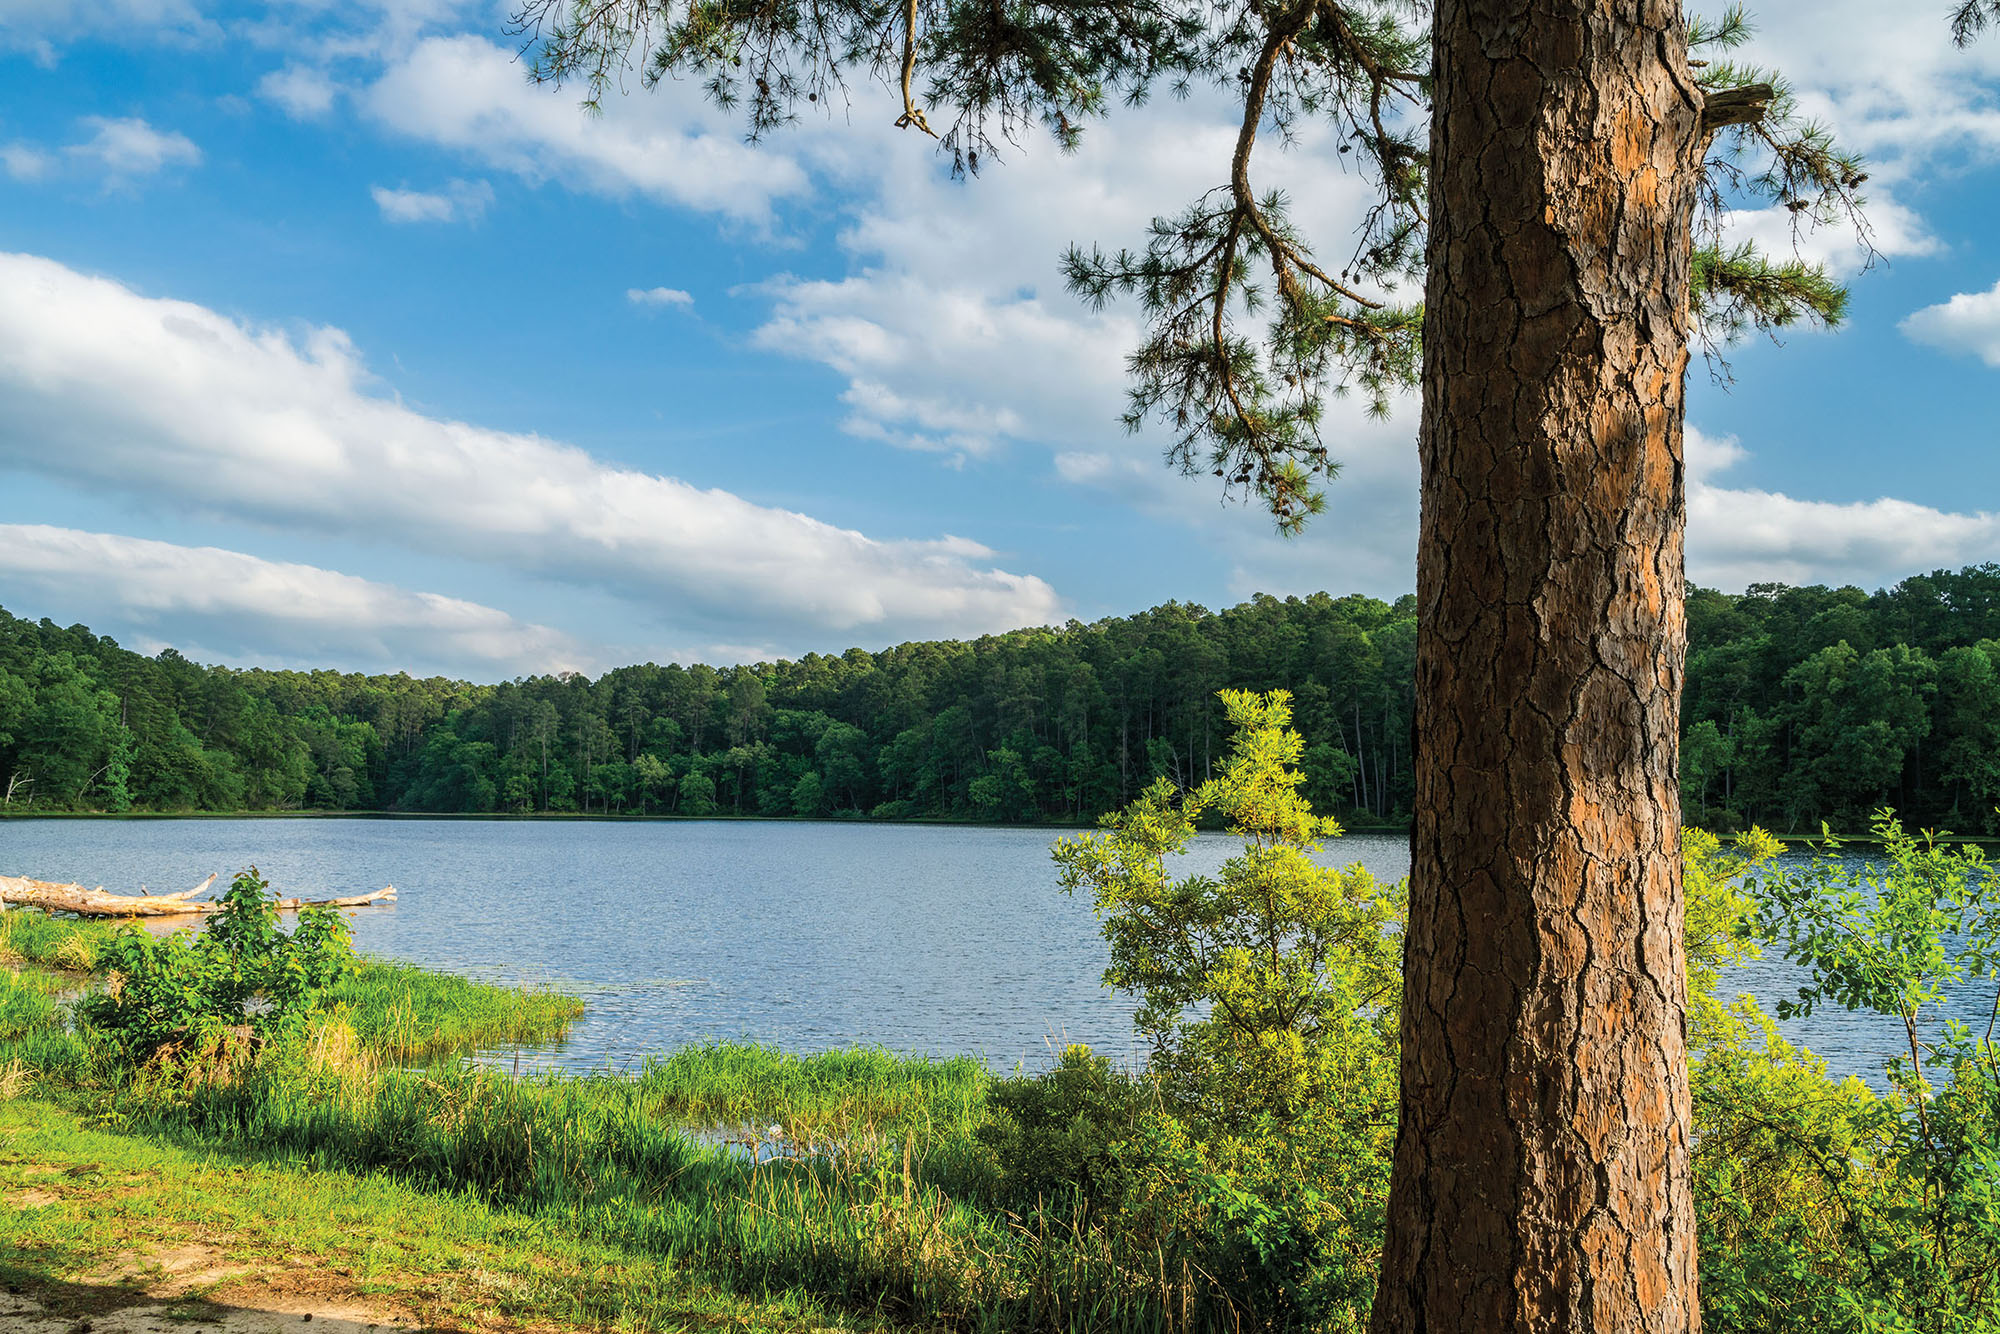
{"x": 1059, "y": 1134}
{"x": 176, "y": 996}
{"x": 1263, "y": 990}
{"x": 1824, "y": 1207}
{"x": 1270, "y": 994}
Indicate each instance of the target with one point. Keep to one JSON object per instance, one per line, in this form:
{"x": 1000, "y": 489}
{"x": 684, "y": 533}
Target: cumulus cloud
{"x": 117, "y": 150}
{"x": 171, "y": 401}
{"x": 468, "y": 94}
{"x": 973, "y": 359}
{"x": 125, "y": 148}
{"x": 458, "y": 201}
{"x": 1893, "y": 232}
{"x": 1740, "y": 537}
{"x": 1892, "y": 86}
{"x": 1968, "y": 323}
{"x": 658, "y": 296}
{"x": 304, "y": 93}
{"x": 247, "y": 609}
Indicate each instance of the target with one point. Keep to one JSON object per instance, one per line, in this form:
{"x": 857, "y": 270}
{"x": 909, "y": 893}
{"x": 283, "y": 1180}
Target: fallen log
{"x": 20, "y": 892}
{"x": 185, "y": 893}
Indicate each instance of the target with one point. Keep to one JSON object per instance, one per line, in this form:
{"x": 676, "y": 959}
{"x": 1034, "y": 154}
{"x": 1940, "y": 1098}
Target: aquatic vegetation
{"x": 29, "y": 935}
{"x": 409, "y": 1015}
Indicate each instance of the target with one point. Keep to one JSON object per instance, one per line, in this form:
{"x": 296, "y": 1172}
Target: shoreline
{"x": 578, "y": 817}
{"x": 1792, "y": 840}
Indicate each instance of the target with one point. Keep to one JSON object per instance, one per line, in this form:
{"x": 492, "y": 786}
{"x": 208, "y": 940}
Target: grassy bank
{"x": 359, "y": 1164}
{"x": 187, "y": 1233}
{"x": 728, "y": 1182}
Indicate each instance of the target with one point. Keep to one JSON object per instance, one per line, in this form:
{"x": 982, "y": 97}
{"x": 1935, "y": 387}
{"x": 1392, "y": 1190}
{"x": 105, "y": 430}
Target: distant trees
{"x": 1803, "y": 704}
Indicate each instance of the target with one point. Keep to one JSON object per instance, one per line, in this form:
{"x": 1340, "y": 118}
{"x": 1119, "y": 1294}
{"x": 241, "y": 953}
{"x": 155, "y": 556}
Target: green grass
{"x": 895, "y": 1217}
{"x": 27, "y": 1002}
{"x": 403, "y": 1014}
{"x": 828, "y": 1096}
{"x": 29, "y": 935}
{"x": 83, "y": 1199}
{"x": 790, "y": 1186}
{"x": 409, "y": 1015}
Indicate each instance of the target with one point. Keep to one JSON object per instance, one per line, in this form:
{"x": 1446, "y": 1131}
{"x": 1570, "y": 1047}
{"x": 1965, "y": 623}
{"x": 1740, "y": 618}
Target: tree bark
{"x": 1541, "y": 1173}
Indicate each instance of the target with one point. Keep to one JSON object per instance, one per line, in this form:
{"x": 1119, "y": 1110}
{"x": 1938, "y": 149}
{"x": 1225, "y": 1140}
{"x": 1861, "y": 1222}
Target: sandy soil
{"x": 189, "y": 1288}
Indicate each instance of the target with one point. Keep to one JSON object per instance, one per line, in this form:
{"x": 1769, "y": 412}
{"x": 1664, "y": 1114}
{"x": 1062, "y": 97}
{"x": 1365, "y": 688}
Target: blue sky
{"x": 326, "y": 339}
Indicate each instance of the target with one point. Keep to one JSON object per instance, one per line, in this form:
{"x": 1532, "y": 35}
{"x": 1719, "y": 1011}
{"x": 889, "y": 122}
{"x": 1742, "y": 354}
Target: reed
{"x": 410, "y": 1015}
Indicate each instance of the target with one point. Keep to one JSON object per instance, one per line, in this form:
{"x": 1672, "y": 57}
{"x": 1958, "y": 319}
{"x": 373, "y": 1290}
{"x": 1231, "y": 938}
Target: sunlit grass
{"x": 409, "y": 1015}
{"x": 451, "y": 1260}
{"x": 724, "y": 1178}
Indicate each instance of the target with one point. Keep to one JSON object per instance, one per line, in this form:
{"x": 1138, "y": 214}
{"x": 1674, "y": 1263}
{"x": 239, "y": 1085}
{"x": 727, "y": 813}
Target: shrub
{"x": 1823, "y": 1206}
{"x": 176, "y": 996}
{"x": 1058, "y": 1135}
{"x": 1260, "y": 989}
{"x": 1270, "y": 994}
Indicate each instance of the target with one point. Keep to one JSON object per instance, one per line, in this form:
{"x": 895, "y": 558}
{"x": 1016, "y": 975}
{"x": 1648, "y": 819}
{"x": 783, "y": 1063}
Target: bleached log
{"x": 83, "y": 902}
{"x": 190, "y": 893}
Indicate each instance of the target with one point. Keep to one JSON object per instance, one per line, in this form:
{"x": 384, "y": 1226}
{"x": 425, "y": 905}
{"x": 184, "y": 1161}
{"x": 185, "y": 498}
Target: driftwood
{"x": 97, "y": 903}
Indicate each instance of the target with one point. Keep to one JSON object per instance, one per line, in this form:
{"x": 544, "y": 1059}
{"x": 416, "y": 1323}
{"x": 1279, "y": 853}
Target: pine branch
{"x": 1245, "y": 405}
{"x": 1972, "y": 17}
{"x": 1744, "y": 105}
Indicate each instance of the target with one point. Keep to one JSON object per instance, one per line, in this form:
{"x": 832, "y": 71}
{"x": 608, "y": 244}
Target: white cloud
{"x": 35, "y": 25}
{"x": 459, "y": 201}
{"x": 304, "y": 93}
{"x": 176, "y": 403}
{"x": 125, "y": 148}
{"x": 24, "y": 162}
{"x": 1969, "y": 322}
{"x": 956, "y": 336}
{"x": 1894, "y": 232}
{"x": 1891, "y": 85}
{"x": 1741, "y": 537}
{"x": 467, "y": 94}
{"x": 658, "y": 296}
{"x": 248, "y": 609}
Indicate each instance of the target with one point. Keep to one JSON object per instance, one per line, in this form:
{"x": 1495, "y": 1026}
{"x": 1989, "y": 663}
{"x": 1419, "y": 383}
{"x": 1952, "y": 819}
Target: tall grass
{"x": 853, "y": 1177}
{"x": 29, "y": 935}
{"x": 408, "y": 1015}
{"x": 896, "y": 1215}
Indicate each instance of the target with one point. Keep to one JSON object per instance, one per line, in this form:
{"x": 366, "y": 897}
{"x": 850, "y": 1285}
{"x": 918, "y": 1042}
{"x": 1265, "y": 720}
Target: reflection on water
{"x": 937, "y": 939}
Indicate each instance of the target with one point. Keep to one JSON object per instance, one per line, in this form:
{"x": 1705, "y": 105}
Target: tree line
{"x": 1802, "y": 705}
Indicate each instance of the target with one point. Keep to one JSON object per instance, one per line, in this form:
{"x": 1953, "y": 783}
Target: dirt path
{"x": 194, "y": 1288}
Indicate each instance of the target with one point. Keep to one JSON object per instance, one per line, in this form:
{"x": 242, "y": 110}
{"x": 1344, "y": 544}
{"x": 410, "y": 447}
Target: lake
{"x": 805, "y": 935}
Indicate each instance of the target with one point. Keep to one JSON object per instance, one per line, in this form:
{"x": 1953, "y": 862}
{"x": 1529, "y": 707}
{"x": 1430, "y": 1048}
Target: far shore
{"x": 1791, "y": 839}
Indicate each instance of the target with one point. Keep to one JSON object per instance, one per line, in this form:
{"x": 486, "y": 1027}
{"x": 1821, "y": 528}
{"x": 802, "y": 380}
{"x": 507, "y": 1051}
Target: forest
{"x": 1802, "y": 706}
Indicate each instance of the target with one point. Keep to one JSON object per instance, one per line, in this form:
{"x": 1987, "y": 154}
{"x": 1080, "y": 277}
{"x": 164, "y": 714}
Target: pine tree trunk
{"x": 1541, "y": 1175}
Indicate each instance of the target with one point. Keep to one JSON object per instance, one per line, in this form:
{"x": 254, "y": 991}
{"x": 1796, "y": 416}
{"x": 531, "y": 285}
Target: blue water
{"x": 937, "y": 939}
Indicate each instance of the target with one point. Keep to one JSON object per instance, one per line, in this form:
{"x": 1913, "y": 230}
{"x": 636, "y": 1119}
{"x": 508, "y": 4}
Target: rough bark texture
{"x": 1541, "y": 1176}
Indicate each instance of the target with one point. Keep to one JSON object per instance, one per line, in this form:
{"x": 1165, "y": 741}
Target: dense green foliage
{"x": 1269, "y": 988}
{"x": 240, "y": 978}
{"x": 1806, "y": 705}
{"x": 1824, "y": 1206}
{"x": 1059, "y": 724}
{"x": 1803, "y": 705}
